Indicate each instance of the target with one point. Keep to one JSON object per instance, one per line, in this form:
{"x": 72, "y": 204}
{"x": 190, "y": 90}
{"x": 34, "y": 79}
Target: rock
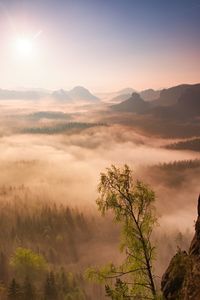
{"x": 135, "y": 104}
{"x": 195, "y": 244}
{"x": 181, "y": 281}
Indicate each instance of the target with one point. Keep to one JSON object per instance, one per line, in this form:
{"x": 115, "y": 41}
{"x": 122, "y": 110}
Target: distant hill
{"x": 179, "y": 102}
{"x": 189, "y": 101}
{"x": 61, "y": 95}
{"x": 117, "y": 96}
{"x": 81, "y": 93}
{"x": 147, "y": 95}
{"x": 21, "y": 94}
{"x": 128, "y": 91}
{"x": 150, "y": 94}
{"x": 78, "y": 93}
{"x": 171, "y": 95}
{"x": 134, "y": 104}
{"x": 120, "y": 98}
{"x": 186, "y": 106}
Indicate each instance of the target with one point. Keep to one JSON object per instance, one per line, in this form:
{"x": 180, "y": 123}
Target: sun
{"x": 24, "y": 47}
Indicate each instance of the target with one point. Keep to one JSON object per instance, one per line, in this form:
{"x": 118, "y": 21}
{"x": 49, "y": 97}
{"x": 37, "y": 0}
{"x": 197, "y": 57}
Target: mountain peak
{"x": 61, "y": 94}
{"x": 135, "y": 96}
{"x": 78, "y": 93}
{"x": 127, "y": 90}
{"x": 79, "y": 88}
{"x": 134, "y": 104}
{"x": 81, "y": 93}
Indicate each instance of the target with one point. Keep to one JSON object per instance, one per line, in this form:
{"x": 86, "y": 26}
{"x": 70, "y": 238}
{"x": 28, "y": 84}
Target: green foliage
{"x": 132, "y": 204}
{"x": 26, "y": 263}
{"x": 56, "y": 286}
{"x": 101, "y": 274}
{"x": 36, "y": 233}
{"x": 62, "y": 286}
{"x": 120, "y": 291}
{"x": 56, "y": 231}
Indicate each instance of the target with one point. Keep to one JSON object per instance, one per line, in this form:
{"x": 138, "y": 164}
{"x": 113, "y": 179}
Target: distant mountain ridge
{"x": 120, "y": 98}
{"x": 150, "y": 94}
{"x": 61, "y": 95}
{"x": 171, "y": 95}
{"x": 147, "y": 95}
{"x": 186, "y": 106}
{"x": 78, "y": 93}
{"x": 81, "y": 93}
{"x": 134, "y": 104}
{"x": 181, "y": 101}
{"x": 22, "y": 94}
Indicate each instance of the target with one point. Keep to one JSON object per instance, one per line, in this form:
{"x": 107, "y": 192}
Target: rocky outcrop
{"x": 181, "y": 281}
{"x": 135, "y": 104}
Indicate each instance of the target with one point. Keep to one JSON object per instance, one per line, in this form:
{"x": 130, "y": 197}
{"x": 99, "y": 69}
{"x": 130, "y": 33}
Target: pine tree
{"x": 14, "y": 290}
{"x": 50, "y": 291}
{"x": 28, "y": 290}
{"x": 64, "y": 282}
{"x": 3, "y": 268}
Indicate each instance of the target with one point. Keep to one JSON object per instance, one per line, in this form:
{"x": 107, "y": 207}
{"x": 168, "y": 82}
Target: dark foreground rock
{"x": 181, "y": 281}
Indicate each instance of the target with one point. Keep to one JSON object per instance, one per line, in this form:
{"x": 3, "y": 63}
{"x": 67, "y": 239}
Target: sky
{"x": 104, "y": 45}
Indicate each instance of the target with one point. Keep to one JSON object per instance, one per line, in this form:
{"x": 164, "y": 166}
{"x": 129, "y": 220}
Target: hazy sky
{"x": 101, "y": 44}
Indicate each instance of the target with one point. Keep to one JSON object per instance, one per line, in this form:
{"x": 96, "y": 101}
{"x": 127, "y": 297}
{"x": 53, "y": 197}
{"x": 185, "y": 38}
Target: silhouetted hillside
{"x": 186, "y": 106}
{"x": 171, "y": 95}
{"x": 61, "y": 95}
{"x": 76, "y": 94}
{"x": 127, "y": 90}
{"x": 149, "y": 94}
{"x": 134, "y": 104}
{"x": 189, "y": 101}
{"x": 120, "y": 98}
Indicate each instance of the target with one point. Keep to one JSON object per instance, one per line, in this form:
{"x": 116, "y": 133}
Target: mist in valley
{"x": 43, "y": 169}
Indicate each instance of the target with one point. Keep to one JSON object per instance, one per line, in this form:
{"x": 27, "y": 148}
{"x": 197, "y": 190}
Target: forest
{"x": 43, "y": 244}
{"x": 37, "y": 244}
{"x": 192, "y": 144}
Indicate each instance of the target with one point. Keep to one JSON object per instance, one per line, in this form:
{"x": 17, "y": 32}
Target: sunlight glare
{"x": 24, "y": 46}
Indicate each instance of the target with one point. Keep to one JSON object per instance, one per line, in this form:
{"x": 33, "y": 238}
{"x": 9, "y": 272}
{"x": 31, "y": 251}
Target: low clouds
{"x": 66, "y": 167}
